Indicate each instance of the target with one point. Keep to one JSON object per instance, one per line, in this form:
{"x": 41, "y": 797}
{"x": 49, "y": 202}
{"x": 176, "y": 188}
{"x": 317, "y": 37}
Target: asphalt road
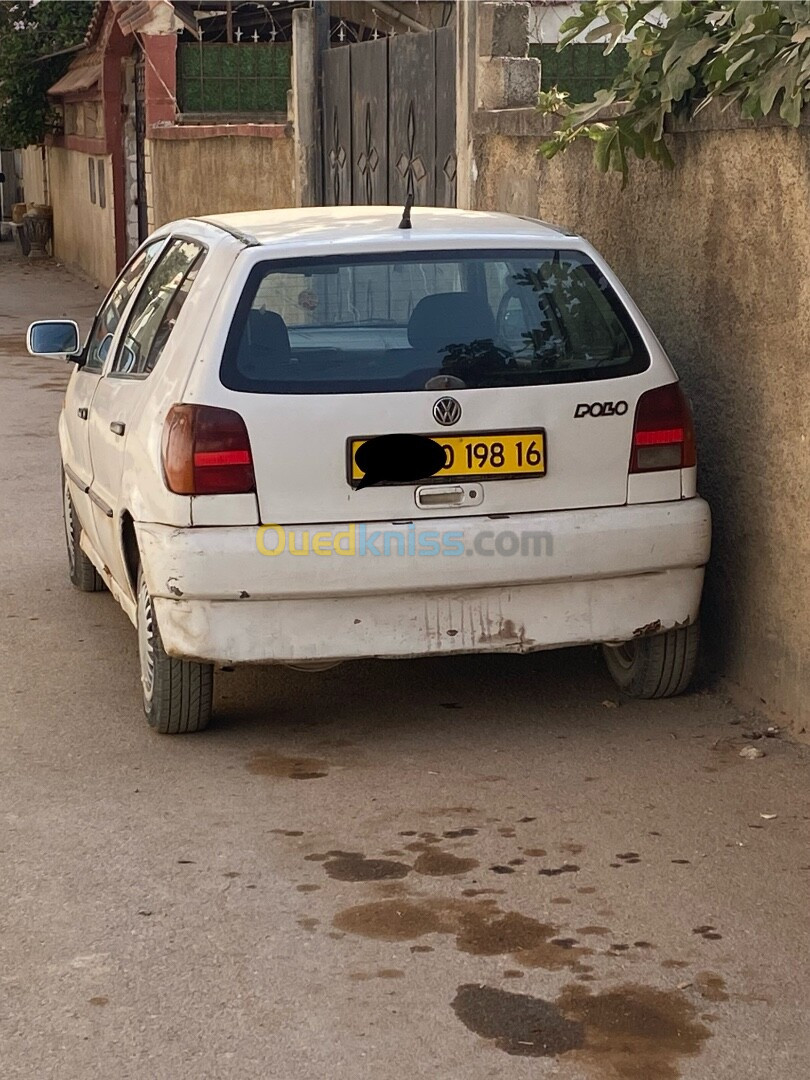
{"x": 454, "y": 869}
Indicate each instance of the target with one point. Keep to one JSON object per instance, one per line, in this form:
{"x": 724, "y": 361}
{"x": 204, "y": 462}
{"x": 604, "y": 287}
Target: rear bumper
{"x": 573, "y": 577}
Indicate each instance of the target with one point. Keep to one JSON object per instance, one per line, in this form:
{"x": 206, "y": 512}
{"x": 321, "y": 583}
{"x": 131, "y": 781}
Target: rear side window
{"x": 394, "y": 323}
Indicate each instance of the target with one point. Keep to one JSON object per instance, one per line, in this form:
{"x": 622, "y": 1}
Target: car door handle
{"x": 117, "y": 428}
{"x": 82, "y": 414}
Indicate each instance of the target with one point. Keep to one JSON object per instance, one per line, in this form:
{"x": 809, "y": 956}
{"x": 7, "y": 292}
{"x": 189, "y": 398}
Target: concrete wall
{"x": 716, "y": 254}
{"x": 190, "y": 177}
{"x": 83, "y": 231}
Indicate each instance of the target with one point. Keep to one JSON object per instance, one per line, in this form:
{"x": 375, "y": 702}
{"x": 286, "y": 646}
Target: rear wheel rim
{"x": 146, "y": 641}
{"x": 70, "y": 526}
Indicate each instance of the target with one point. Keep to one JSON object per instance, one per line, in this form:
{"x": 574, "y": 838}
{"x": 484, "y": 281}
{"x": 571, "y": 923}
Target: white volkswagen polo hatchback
{"x": 308, "y": 436}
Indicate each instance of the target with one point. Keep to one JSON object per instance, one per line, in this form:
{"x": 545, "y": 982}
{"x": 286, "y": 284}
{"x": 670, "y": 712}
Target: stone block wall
{"x": 715, "y": 253}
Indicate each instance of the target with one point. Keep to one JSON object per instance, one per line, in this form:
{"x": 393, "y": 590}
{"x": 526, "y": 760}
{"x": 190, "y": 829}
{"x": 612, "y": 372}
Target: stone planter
{"x": 38, "y": 226}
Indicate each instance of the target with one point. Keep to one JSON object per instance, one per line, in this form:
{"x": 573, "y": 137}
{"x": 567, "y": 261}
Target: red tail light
{"x": 663, "y": 432}
{"x": 206, "y": 451}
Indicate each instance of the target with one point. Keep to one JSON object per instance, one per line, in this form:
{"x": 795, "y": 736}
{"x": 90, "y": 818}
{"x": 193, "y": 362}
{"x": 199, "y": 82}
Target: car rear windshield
{"x": 424, "y": 320}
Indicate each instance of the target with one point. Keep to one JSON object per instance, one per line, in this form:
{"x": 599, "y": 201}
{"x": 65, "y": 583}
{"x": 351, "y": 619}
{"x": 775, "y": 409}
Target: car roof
{"x": 377, "y": 225}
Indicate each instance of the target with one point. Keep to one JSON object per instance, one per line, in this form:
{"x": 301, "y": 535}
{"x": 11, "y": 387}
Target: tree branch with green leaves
{"x": 28, "y": 33}
{"x": 681, "y": 57}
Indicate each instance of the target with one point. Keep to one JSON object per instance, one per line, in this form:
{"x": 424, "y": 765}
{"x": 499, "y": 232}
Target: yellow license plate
{"x": 503, "y": 455}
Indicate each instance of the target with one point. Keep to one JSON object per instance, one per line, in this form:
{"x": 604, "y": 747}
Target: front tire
{"x": 83, "y": 575}
{"x": 177, "y": 694}
{"x": 655, "y": 667}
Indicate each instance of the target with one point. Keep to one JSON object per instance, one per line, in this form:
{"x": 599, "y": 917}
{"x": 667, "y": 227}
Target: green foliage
{"x": 29, "y": 31}
{"x": 754, "y": 53}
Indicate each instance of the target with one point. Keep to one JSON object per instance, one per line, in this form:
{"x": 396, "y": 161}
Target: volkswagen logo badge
{"x": 447, "y": 411}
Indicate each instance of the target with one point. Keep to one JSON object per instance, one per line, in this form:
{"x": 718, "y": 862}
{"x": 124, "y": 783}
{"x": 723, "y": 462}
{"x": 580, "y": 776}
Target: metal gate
{"x": 140, "y": 155}
{"x": 389, "y": 118}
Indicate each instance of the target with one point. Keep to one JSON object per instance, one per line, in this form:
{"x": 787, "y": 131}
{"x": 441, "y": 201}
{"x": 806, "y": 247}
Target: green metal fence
{"x": 250, "y": 77}
{"x": 579, "y": 69}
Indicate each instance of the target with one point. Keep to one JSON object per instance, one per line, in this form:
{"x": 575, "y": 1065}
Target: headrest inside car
{"x": 265, "y": 343}
{"x": 449, "y": 319}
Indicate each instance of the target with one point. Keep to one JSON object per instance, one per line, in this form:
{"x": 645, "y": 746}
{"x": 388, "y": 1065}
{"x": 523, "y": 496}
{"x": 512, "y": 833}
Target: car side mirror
{"x": 54, "y": 337}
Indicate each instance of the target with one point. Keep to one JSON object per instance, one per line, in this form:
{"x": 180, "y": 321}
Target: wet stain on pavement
{"x": 639, "y": 1032}
{"x": 269, "y": 763}
{"x": 518, "y": 1024}
{"x": 307, "y": 888}
{"x": 495, "y": 933}
{"x": 391, "y": 920}
{"x": 480, "y": 929}
{"x": 99, "y": 1000}
{"x": 435, "y": 863}
{"x": 453, "y": 834}
{"x": 535, "y": 852}
{"x": 629, "y": 1032}
{"x": 708, "y": 933}
{"x": 710, "y": 986}
{"x": 354, "y": 866}
{"x": 14, "y": 345}
{"x": 555, "y": 871}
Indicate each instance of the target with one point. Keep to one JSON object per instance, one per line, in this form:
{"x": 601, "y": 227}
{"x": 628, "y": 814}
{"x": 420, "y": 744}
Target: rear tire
{"x": 655, "y": 667}
{"x": 83, "y": 574}
{"x": 177, "y": 694}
